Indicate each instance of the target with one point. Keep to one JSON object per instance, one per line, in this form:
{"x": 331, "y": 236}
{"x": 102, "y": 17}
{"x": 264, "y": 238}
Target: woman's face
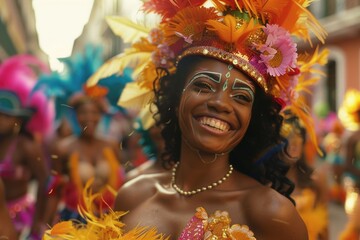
{"x": 88, "y": 115}
{"x": 215, "y": 107}
{"x": 295, "y": 146}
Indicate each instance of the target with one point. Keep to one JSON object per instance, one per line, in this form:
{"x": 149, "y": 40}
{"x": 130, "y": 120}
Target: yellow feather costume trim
{"x": 105, "y": 226}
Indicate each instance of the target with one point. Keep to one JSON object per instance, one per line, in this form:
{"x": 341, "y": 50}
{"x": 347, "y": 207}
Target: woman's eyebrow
{"x": 240, "y": 83}
{"x": 214, "y": 76}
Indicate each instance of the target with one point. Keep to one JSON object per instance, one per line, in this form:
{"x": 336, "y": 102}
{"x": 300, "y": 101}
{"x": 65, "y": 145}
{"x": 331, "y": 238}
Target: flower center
{"x": 276, "y": 60}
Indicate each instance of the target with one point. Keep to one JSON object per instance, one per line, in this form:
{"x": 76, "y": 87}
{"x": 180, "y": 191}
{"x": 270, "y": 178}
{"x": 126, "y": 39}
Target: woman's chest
{"x": 172, "y": 216}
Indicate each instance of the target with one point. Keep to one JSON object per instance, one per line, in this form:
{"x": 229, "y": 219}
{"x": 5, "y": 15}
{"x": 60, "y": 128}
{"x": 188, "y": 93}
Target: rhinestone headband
{"x": 239, "y": 61}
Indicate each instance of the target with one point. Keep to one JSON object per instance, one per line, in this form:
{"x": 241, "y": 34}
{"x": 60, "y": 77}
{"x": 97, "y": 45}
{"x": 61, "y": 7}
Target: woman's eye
{"x": 203, "y": 86}
{"x": 242, "y": 97}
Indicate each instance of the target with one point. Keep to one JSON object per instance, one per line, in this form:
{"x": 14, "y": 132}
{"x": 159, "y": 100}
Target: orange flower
{"x": 231, "y": 30}
{"x": 188, "y": 24}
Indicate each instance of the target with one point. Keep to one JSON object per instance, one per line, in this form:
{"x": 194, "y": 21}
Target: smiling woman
{"x": 213, "y": 110}
{"x": 219, "y": 75}
{"x": 215, "y": 119}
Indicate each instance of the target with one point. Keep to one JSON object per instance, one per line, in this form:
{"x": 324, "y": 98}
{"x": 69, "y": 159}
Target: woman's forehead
{"x": 213, "y": 65}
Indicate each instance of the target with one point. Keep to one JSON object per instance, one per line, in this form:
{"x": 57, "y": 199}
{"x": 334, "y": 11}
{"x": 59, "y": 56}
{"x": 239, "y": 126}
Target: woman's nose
{"x": 220, "y": 102}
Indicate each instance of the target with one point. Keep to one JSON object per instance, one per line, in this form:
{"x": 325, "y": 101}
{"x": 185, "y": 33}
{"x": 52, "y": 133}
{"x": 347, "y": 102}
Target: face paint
{"x": 227, "y": 75}
{"x": 213, "y": 76}
{"x": 213, "y": 112}
{"x": 240, "y": 84}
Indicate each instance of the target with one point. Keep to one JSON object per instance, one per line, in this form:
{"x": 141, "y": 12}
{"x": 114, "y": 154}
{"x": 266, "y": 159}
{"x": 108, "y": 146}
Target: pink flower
{"x": 163, "y": 56}
{"x": 279, "y": 51}
{"x": 258, "y": 64}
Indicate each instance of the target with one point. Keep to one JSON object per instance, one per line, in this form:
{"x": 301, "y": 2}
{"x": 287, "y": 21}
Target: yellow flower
{"x": 188, "y": 24}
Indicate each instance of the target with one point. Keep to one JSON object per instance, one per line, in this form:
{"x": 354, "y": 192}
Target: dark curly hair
{"x": 259, "y": 154}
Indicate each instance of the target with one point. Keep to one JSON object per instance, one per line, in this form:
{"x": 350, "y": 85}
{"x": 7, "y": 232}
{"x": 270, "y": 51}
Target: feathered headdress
{"x": 18, "y": 75}
{"x": 69, "y": 88}
{"x": 256, "y": 36}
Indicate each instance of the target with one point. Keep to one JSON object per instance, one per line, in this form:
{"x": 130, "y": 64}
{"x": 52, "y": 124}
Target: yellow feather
{"x": 117, "y": 64}
{"x": 135, "y": 97}
{"x": 228, "y": 30}
{"x": 126, "y": 29}
{"x": 311, "y": 23}
{"x": 144, "y": 233}
{"x": 225, "y": 30}
{"x": 134, "y": 57}
{"x": 307, "y": 62}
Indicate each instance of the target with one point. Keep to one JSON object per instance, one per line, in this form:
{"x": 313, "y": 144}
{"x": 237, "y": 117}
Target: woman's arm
{"x": 273, "y": 216}
{"x": 7, "y": 230}
{"x": 35, "y": 158}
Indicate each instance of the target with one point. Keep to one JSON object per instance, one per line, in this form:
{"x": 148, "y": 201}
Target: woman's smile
{"x": 214, "y": 124}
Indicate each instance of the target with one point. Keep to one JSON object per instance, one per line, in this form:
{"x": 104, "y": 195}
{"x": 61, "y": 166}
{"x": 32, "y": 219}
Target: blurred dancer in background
{"x": 86, "y": 154}
{"x": 349, "y": 114}
{"x": 333, "y": 146}
{"x": 310, "y": 193}
{"x": 82, "y": 157}
{"x": 25, "y": 120}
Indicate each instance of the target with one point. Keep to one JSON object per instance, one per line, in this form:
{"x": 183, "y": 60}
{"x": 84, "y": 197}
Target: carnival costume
{"x": 253, "y": 36}
{"x": 18, "y": 76}
{"x": 315, "y": 215}
{"x": 350, "y": 118}
{"x": 69, "y": 89}
{"x": 313, "y": 212}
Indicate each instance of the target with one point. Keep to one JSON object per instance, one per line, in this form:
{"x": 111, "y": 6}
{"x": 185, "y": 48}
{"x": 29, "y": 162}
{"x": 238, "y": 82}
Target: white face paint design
{"x": 238, "y": 84}
{"x": 205, "y": 86}
{"x": 213, "y": 76}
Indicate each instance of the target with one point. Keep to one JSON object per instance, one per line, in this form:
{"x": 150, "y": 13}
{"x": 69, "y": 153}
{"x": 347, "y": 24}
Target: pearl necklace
{"x": 189, "y": 193}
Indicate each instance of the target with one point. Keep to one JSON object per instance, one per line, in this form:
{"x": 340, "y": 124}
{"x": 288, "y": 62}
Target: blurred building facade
{"x": 97, "y": 32}
{"x": 341, "y": 19}
{"x": 17, "y": 29}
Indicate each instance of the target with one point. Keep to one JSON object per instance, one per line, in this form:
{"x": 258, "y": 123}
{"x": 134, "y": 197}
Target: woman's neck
{"x": 87, "y": 138}
{"x": 197, "y": 169}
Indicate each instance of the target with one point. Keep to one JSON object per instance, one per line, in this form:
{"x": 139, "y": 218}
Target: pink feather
{"x": 19, "y": 75}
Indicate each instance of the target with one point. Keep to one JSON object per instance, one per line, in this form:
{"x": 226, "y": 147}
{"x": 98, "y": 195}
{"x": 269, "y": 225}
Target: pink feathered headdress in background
{"x": 18, "y": 74}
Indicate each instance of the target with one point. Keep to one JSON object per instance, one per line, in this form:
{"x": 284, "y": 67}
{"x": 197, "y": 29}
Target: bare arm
{"x": 134, "y": 192}
{"x": 7, "y": 230}
{"x": 275, "y": 217}
{"x": 57, "y": 175}
{"x": 36, "y": 161}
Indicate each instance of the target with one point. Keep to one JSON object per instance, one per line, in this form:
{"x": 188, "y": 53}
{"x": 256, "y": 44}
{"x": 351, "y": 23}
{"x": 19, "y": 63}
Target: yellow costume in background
{"x": 349, "y": 114}
{"x": 314, "y": 215}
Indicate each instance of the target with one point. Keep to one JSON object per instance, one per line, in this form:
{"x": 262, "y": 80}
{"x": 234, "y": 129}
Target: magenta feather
{"x": 19, "y": 75}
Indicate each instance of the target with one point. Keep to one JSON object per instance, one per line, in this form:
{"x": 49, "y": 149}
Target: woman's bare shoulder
{"x": 273, "y": 216}
{"x": 137, "y": 190}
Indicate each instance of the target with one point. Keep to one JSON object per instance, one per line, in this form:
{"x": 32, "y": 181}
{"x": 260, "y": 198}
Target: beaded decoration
{"x": 198, "y": 190}
{"x": 216, "y": 226}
